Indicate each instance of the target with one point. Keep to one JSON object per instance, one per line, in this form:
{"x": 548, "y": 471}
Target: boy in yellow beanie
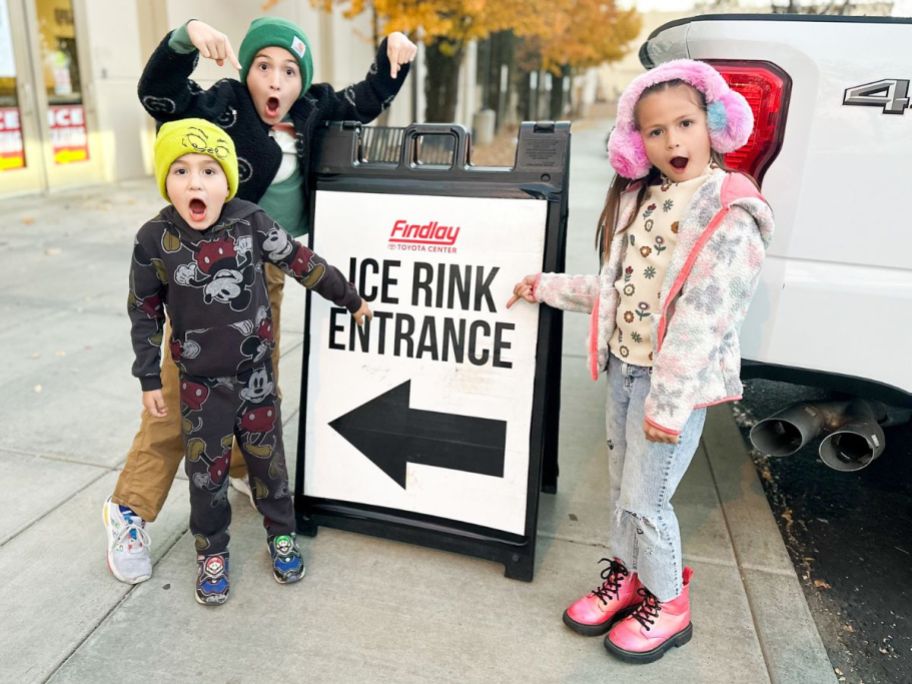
{"x": 271, "y": 114}
{"x": 200, "y": 261}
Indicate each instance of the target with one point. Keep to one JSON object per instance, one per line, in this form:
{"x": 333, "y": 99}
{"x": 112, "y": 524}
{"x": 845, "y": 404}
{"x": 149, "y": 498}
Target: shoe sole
{"x": 110, "y": 537}
{"x": 644, "y": 657}
{"x": 217, "y": 601}
{"x": 596, "y": 630}
{"x": 283, "y": 580}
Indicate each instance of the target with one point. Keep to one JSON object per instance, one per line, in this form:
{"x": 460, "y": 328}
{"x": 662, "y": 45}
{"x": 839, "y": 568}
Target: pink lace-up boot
{"x": 653, "y": 627}
{"x": 594, "y": 614}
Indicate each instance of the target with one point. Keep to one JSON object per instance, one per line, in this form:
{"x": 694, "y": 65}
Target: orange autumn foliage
{"x": 581, "y": 33}
{"x": 574, "y": 33}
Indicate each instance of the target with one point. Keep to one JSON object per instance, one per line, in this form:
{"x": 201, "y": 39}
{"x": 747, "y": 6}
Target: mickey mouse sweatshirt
{"x": 211, "y": 285}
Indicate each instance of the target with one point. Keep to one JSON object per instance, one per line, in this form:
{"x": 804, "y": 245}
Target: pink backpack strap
{"x": 737, "y": 186}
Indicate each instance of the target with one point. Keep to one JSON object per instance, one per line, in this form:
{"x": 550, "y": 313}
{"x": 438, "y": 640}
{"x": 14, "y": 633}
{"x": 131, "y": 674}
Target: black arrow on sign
{"x": 391, "y": 435}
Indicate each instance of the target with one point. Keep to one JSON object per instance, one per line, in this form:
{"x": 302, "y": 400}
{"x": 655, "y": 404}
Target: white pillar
{"x": 465, "y": 105}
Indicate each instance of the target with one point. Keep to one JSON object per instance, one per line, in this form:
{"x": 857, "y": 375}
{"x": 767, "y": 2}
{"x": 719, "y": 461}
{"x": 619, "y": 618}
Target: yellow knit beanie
{"x": 194, "y": 136}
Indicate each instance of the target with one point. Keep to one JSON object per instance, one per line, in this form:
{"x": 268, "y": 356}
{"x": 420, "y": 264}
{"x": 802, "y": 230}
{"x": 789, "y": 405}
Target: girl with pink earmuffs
{"x": 681, "y": 241}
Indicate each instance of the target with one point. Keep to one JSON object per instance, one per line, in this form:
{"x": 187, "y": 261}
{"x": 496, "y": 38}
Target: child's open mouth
{"x": 680, "y": 163}
{"x": 272, "y": 106}
{"x": 197, "y": 209}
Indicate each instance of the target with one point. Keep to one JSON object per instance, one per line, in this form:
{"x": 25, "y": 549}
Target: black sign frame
{"x": 541, "y": 170}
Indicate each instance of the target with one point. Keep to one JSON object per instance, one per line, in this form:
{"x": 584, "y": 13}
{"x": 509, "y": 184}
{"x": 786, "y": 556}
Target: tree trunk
{"x": 524, "y": 89}
{"x": 383, "y": 118}
{"x": 502, "y": 54}
{"x": 556, "y": 108}
{"x": 442, "y": 58}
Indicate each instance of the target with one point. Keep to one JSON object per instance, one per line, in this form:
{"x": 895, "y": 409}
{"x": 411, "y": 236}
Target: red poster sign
{"x": 69, "y": 137}
{"x": 12, "y": 152}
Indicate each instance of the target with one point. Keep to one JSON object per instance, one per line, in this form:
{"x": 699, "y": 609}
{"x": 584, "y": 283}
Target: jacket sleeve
{"x": 364, "y": 101}
{"x": 567, "y": 292}
{"x": 146, "y": 309}
{"x": 712, "y": 304}
{"x": 301, "y": 263}
{"x": 167, "y": 92}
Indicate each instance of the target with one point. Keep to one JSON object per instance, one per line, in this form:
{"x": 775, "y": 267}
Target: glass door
{"x": 21, "y": 154}
{"x": 70, "y": 150}
{"x": 46, "y": 123}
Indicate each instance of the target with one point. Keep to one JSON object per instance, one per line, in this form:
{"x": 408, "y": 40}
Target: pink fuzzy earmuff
{"x": 728, "y": 116}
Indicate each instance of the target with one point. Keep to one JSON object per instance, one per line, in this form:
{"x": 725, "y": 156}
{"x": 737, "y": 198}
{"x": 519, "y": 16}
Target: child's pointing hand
{"x": 400, "y": 50}
{"x": 523, "y": 290}
{"x": 211, "y": 44}
{"x": 363, "y": 313}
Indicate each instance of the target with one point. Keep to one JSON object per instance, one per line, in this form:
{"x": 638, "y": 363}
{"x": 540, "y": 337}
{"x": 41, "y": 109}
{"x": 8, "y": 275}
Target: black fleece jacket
{"x": 212, "y": 287}
{"x": 167, "y": 93}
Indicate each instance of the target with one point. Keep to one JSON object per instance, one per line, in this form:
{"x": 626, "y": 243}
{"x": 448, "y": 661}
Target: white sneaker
{"x": 128, "y": 544}
{"x": 242, "y": 484}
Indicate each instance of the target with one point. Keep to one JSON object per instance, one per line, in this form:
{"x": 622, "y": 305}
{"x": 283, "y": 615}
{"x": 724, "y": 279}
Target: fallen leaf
{"x": 820, "y": 584}
{"x": 28, "y": 220}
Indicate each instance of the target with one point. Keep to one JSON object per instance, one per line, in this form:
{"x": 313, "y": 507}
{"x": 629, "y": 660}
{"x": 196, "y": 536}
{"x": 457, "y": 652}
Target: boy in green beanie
{"x": 200, "y": 260}
{"x": 271, "y": 115}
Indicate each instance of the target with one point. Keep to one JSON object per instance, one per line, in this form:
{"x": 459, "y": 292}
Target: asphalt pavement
{"x": 848, "y": 535}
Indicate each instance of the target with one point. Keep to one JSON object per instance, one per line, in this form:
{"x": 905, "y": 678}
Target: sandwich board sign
{"x": 428, "y": 423}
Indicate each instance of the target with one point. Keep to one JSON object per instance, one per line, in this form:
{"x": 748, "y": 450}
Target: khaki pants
{"x": 158, "y": 448}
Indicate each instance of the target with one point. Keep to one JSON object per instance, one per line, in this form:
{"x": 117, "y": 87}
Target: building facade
{"x": 69, "y": 114}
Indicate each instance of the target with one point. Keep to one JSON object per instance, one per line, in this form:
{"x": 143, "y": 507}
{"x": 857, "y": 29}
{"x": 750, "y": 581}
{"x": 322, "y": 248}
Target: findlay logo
{"x": 423, "y": 237}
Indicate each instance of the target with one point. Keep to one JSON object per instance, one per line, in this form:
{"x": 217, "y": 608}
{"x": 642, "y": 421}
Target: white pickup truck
{"x": 832, "y": 149}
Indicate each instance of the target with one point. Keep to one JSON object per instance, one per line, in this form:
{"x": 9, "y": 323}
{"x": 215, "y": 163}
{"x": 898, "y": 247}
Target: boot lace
{"x": 647, "y": 612}
{"x": 613, "y": 575}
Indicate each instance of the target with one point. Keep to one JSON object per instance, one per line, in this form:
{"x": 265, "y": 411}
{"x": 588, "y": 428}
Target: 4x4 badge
{"x": 890, "y": 93}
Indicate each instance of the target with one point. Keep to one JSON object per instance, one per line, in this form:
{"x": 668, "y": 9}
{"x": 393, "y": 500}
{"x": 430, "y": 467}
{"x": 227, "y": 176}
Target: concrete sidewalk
{"x": 369, "y": 609}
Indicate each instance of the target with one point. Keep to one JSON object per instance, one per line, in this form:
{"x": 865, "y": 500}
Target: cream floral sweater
{"x": 651, "y": 242}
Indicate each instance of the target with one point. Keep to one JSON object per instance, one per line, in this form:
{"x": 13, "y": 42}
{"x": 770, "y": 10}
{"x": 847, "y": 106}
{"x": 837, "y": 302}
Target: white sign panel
{"x": 428, "y": 408}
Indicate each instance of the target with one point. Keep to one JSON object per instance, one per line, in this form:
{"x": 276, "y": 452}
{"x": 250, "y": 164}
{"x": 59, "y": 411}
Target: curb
{"x": 789, "y": 640}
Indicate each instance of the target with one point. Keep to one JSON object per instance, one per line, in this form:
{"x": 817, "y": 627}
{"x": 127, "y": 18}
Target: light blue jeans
{"x": 643, "y": 476}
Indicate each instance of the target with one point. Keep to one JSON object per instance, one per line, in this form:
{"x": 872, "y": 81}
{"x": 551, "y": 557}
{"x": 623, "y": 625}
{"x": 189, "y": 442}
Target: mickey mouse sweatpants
{"x": 213, "y": 411}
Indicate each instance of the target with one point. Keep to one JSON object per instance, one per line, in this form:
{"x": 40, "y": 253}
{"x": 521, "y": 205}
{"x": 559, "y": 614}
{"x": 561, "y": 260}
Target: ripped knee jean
{"x": 643, "y": 476}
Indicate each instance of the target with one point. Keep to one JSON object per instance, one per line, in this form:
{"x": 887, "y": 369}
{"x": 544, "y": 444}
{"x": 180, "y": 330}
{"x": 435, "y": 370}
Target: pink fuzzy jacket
{"x": 707, "y": 289}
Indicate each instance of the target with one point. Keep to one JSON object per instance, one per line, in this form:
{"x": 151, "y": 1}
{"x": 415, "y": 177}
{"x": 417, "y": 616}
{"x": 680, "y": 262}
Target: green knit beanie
{"x": 275, "y": 32}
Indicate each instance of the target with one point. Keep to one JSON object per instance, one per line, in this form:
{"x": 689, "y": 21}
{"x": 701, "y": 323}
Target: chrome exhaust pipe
{"x": 785, "y": 432}
{"x": 859, "y": 440}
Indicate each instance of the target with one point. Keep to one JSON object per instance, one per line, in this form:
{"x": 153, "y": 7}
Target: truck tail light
{"x": 766, "y": 88}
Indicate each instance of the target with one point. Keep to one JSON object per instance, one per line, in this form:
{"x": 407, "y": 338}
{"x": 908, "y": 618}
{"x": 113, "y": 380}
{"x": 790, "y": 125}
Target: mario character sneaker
{"x": 653, "y": 628}
{"x": 128, "y": 543}
{"x": 212, "y": 579}
{"x": 616, "y": 598}
{"x": 287, "y": 563}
